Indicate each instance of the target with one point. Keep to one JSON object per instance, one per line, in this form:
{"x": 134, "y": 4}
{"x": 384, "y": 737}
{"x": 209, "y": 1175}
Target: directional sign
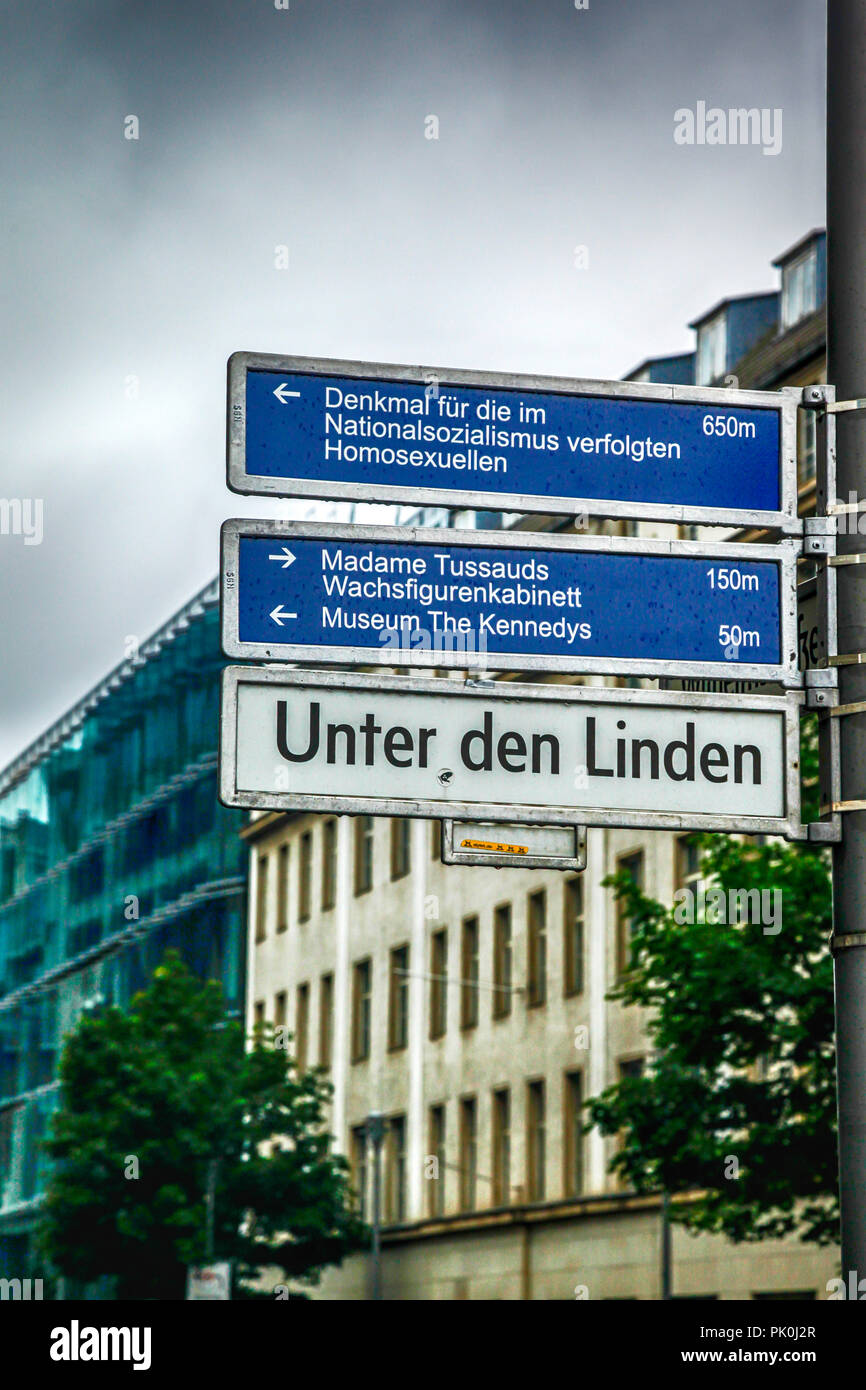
{"x": 500, "y": 600}
{"x": 391, "y": 745}
{"x": 302, "y": 427}
{"x": 811, "y": 652}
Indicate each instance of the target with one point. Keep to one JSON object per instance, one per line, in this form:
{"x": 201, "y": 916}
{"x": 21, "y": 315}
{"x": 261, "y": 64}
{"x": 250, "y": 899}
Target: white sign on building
{"x": 209, "y": 1283}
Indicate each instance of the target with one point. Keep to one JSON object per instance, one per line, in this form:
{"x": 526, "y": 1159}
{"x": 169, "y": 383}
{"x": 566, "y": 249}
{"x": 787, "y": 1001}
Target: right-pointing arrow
{"x": 280, "y": 615}
{"x": 285, "y": 555}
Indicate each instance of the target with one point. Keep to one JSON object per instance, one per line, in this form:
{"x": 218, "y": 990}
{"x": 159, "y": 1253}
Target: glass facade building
{"x": 113, "y": 849}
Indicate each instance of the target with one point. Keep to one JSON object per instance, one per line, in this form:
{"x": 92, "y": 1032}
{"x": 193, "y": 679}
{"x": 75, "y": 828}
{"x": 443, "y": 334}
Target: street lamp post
{"x": 375, "y": 1135}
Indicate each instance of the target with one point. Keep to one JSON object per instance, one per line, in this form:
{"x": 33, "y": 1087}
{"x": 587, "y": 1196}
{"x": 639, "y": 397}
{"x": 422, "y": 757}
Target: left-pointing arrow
{"x": 286, "y": 556}
{"x": 280, "y": 615}
{"x": 282, "y": 393}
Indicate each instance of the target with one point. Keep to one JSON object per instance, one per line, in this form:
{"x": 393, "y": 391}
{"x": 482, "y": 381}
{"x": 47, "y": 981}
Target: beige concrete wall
{"x": 592, "y": 1258}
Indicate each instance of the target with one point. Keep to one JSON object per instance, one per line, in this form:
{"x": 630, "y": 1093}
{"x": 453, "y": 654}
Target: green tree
{"x": 738, "y": 1103}
{"x": 154, "y": 1101}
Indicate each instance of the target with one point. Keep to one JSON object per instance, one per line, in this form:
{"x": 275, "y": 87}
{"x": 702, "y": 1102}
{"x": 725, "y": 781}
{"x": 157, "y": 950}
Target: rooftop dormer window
{"x": 712, "y": 345}
{"x": 800, "y": 288}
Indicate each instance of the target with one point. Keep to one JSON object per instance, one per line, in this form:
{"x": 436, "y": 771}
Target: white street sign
{"x": 388, "y": 745}
{"x": 209, "y": 1283}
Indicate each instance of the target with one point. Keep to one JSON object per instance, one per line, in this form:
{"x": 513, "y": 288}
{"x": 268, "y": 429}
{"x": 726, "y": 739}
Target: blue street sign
{"x": 302, "y": 591}
{"x": 510, "y": 443}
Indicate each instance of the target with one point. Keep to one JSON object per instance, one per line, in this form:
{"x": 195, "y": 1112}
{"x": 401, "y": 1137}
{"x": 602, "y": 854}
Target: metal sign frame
{"x": 452, "y": 853}
{"x": 787, "y": 706}
{"x": 783, "y": 553}
{"x": 784, "y": 402}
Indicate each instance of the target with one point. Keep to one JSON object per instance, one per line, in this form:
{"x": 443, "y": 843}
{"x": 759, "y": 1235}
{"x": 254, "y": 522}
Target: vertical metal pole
{"x": 210, "y": 1204}
{"x": 666, "y": 1271}
{"x": 846, "y": 368}
{"x": 375, "y": 1133}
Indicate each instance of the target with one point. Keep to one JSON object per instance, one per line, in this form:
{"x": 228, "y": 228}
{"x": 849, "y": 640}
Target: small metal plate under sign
{"x": 514, "y": 846}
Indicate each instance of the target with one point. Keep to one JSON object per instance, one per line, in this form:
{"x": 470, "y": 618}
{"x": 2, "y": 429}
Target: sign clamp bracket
{"x": 843, "y": 941}
{"x": 836, "y": 407}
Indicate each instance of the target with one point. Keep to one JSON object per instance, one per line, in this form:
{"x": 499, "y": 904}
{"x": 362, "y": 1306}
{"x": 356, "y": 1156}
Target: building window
{"x": 502, "y": 961}
{"x": 435, "y": 839}
{"x": 363, "y": 854}
{"x": 259, "y": 1013}
{"x": 395, "y": 1170}
{"x": 361, "y": 1001}
{"x": 633, "y": 865}
{"x": 573, "y": 1146}
{"x": 501, "y": 1147}
{"x": 329, "y": 864}
{"x": 283, "y": 888}
{"x": 537, "y": 949}
{"x": 469, "y": 973}
{"x": 573, "y": 932}
{"x": 687, "y": 866}
{"x": 800, "y": 288}
{"x": 535, "y": 1140}
{"x": 326, "y": 1015}
{"x": 436, "y": 1173}
{"x": 280, "y": 1009}
{"x": 305, "y": 876}
{"x": 631, "y": 1067}
{"x": 468, "y": 1152}
{"x": 628, "y": 1068}
{"x": 302, "y": 1026}
{"x": 398, "y": 999}
{"x": 712, "y": 348}
{"x": 438, "y": 983}
{"x": 262, "y": 898}
{"x": 359, "y": 1169}
{"x": 808, "y": 446}
{"x": 401, "y": 830}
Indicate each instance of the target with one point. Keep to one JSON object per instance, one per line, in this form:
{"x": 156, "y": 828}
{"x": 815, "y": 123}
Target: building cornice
{"x": 529, "y": 1214}
{"x": 257, "y": 829}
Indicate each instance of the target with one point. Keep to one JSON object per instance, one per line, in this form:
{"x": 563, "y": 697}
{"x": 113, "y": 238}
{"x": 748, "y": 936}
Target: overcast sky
{"x": 139, "y": 265}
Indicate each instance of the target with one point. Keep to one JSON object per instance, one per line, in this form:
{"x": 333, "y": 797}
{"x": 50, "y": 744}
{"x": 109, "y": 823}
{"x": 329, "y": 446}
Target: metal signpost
{"x": 364, "y": 432}
{"x": 846, "y": 368}
{"x": 363, "y": 744}
{"x": 306, "y": 591}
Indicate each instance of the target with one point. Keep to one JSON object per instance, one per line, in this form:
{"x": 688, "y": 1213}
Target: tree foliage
{"x": 152, "y": 1097}
{"x": 738, "y": 1104}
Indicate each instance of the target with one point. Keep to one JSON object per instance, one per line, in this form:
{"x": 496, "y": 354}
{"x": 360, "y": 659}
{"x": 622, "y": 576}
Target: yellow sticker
{"x": 494, "y": 848}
